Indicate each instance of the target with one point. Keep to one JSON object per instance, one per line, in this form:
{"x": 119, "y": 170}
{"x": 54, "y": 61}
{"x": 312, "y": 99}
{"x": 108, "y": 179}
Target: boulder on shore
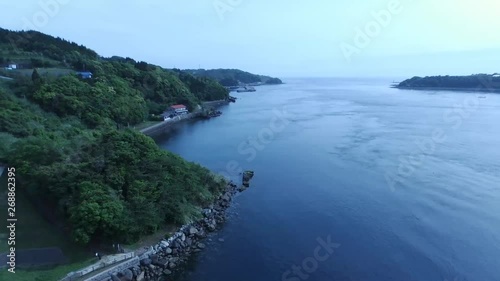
{"x": 193, "y": 230}
{"x": 140, "y": 277}
{"x": 128, "y": 275}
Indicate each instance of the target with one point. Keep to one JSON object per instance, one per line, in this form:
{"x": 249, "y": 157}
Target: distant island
{"x": 476, "y": 82}
{"x": 234, "y": 77}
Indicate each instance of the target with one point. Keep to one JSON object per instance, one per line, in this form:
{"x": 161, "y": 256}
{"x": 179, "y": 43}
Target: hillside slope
{"x": 482, "y": 82}
{"x": 234, "y": 77}
{"x": 68, "y": 139}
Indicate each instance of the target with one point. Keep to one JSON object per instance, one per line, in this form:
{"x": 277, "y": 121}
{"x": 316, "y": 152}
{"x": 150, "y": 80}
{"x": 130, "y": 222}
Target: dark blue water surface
{"x": 406, "y": 182}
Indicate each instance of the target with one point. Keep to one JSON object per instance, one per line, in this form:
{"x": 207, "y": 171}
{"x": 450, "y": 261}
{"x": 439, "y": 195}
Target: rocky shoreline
{"x": 165, "y": 258}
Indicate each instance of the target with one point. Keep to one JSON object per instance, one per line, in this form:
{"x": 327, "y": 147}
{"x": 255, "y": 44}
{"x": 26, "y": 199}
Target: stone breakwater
{"x": 164, "y": 258}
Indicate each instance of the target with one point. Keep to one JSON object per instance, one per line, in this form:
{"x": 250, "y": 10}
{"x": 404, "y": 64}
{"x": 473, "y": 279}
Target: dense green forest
{"x": 478, "y": 81}
{"x": 71, "y": 143}
{"x": 233, "y": 77}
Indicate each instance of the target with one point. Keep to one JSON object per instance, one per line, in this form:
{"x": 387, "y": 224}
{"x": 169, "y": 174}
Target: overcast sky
{"x": 279, "y": 37}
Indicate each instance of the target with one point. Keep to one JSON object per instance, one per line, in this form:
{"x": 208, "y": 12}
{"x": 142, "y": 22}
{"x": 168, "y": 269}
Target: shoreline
{"x": 167, "y": 256}
{"x": 162, "y": 126}
{"x": 472, "y": 90}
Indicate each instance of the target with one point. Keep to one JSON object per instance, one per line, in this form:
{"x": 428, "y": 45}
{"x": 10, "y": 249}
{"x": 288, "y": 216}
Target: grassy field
{"x": 45, "y": 275}
{"x": 33, "y": 231}
{"x": 54, "y": 72}
{"x": 145, "y": 125}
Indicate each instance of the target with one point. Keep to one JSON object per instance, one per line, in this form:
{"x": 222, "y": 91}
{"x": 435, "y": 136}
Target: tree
{"x": 95, "y": 212}
{"x": 228, "y": 81}
{"x": 142, "y": 66}
{"x": 35, "y": 77}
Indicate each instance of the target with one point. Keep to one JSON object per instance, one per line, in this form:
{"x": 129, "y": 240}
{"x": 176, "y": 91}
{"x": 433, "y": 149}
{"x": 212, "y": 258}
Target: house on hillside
{"x": 178, "y": 109}
{"x": 173, "y": 111}
{"x": 84, "y": 74}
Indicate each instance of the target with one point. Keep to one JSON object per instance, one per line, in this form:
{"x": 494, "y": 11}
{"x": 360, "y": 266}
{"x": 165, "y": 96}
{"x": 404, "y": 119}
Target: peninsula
{"x": 476, "y": 82}
{"x": 235, "y": 77}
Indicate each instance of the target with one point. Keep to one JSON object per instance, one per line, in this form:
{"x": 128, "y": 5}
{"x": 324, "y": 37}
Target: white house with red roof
{"x": 175, "y": 110}
{"x": 179, "y": 109}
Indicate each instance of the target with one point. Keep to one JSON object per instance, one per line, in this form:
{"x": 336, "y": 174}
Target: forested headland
{"x": 480, "y": 82}
{"x": 234, "y": 77}
{"x": 72, "y": 144}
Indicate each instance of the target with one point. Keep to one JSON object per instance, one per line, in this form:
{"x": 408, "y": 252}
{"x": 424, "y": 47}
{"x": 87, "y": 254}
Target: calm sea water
{"x": 403, "y": 185}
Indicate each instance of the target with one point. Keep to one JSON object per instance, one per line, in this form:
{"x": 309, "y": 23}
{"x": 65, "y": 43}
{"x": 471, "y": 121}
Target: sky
{"x": 292, "y": 38}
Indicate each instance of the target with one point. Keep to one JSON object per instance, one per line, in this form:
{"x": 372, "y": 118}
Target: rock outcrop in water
{"x": 247, "y": 176}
